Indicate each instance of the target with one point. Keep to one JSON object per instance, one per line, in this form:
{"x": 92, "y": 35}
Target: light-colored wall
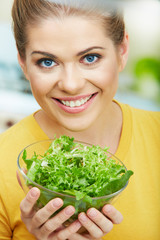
{"x": 5, "y": 10}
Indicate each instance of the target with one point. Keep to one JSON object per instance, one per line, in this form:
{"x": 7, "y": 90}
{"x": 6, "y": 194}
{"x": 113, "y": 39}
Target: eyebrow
{"x": 78, "y": 54}
{"x": 89, "y": 49}
{"x": 44, "y": 53}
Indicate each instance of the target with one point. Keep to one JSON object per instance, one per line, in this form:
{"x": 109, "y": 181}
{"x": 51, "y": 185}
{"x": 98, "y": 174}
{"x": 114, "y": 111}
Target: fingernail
{"x": 107, "y": 208}
{"x": 34, "y": 192}
{"x": 92, "y": 212}
{"x": 57, "y": 202}
{"x": 83, "y": 217}
{"x": 69, "y": 210}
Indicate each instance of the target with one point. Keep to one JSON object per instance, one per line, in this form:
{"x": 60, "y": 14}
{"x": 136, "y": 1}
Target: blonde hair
{"x": 27, "y": 13}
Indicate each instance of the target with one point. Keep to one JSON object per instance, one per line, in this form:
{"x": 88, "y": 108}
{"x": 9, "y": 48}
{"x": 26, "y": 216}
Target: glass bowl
{"x": 46, "y": 195}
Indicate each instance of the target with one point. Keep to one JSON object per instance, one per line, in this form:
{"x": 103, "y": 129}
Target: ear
{"x": 22, "y": 63}
{"x": 123, "y": 50}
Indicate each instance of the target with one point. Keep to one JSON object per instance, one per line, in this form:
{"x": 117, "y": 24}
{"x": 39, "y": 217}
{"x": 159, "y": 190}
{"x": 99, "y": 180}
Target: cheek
{"x": 106, "y": 76}
{"x": 40, "y": 84}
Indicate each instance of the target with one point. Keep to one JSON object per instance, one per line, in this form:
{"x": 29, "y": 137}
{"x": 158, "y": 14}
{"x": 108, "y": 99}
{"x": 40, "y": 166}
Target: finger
{"x": 101, "y": 221}
{"x": 113, "y": 214}
{"x": 28, "y": 203}
{"x": 44, "y": 213}
{"x": 91, "y": 227}
{"x": 91, "y": 238}
{"x": 77, "y": 236}
{"x": 56, "y": 221}
{"x": 67, "y": 232}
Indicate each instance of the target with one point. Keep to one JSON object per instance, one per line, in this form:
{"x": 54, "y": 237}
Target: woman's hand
{"x": 43, "y": 227}
{"x": 98, "y": 224}
{"x": 40, "y": 224}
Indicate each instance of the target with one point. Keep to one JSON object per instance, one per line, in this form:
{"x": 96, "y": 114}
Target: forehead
{"x": 71, "y": 32}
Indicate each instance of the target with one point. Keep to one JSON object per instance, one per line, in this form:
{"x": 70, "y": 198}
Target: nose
{"x": 71, "y": 80}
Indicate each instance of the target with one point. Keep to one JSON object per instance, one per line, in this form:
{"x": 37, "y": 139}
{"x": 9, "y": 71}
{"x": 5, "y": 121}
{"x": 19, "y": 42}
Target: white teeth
{"x": 67, "y": 103}
{"x": 76, "y": 103}
{"x": 72, "y": 104}
{"x": 83, "y": 101}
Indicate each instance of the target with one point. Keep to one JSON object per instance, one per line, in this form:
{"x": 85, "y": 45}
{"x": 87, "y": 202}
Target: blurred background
{"x": 139, "y": 83}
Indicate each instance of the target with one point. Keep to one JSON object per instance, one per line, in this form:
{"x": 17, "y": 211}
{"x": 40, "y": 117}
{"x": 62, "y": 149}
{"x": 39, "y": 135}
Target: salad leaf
{"x": 77, "y": 169}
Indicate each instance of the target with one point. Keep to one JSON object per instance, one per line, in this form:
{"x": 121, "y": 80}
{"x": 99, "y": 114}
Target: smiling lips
{"x": 75, "y": 105}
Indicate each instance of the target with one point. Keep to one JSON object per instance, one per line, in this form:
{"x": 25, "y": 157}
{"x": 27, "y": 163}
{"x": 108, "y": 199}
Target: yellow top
{"x": 139, "y": 149}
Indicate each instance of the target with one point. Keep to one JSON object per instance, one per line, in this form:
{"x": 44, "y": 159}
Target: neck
{"x": 106, "y": 131}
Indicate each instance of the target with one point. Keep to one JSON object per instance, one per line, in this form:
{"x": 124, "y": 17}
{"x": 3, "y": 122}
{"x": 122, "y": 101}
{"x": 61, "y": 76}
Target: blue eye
{"x": 91, "y": 58}
{"x": 46, "y": 63}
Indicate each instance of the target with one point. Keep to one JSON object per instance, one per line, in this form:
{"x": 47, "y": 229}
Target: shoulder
{"x": 16, "y": 130}
{"x": 150, "y": 115}
{"x": 140, "y": 132}
{"x": 26, "y": 130}
{"x": 144, "y": 125}
{"x": 149, "y": 120}
{"x": 140, "y": 115}
{"x": 15, "y": 139}
{"x": 19, "y": 136}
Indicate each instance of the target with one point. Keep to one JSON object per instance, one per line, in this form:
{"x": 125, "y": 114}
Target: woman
{"x": 72, "y": 54}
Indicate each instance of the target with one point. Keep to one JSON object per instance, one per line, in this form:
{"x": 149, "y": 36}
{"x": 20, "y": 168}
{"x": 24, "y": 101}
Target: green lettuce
{"x": 75, "y": 169}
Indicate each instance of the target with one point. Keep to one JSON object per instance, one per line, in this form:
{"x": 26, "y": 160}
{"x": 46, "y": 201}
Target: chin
{"x": 76, "y": 127}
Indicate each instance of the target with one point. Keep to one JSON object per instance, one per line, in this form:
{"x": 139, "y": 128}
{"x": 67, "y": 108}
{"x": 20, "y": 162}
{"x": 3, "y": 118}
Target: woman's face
{"x": 73, "y": 70}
